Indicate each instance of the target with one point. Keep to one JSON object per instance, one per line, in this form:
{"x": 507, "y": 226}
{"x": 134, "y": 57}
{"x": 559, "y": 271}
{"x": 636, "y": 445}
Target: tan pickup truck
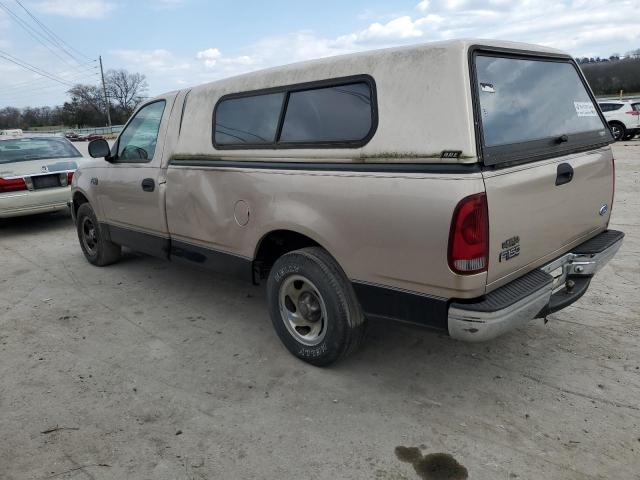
{"x": 464, "y": 186}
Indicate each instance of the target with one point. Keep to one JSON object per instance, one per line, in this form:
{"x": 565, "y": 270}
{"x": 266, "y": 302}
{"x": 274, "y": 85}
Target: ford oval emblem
{"x": 603, "y": 209}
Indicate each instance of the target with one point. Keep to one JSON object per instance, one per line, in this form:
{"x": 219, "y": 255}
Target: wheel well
{"x": 78, "y": 199}
{"x": 275, "y": 244}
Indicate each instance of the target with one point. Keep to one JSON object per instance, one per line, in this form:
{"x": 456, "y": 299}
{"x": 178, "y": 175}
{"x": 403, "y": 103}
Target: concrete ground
{"x": 147, "y": 370}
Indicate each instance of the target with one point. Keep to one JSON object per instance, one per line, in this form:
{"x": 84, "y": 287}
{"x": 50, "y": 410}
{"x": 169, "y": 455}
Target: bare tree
{"x": 86, "y": 106}
{"x": 88, "y": 96}
{"x": 125, "y": 89}
{"x": 10, "y": 117}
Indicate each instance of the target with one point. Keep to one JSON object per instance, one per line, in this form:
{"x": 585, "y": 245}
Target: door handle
{"x": 565, "y": 174}
{"x": 148, "y": 185}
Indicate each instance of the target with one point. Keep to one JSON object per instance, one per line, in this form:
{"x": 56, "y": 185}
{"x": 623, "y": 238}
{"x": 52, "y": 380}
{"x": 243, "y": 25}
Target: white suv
{"x": 623, "y": 117}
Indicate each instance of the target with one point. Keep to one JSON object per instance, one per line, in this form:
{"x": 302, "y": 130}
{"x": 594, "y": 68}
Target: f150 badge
{"x": 510, "y": 249}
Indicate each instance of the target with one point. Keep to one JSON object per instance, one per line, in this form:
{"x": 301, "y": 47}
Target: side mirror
{"x": 99, "y": 148}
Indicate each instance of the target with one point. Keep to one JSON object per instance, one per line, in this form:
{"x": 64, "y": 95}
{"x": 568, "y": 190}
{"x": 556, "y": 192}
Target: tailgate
{"x": 531, "y": 218}
{"x": 548, "y": 168}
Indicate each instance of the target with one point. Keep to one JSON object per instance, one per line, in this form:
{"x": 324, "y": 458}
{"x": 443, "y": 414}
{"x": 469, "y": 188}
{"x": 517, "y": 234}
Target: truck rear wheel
{"x": 96, "y": 248}
{"x": 313, "y": 307}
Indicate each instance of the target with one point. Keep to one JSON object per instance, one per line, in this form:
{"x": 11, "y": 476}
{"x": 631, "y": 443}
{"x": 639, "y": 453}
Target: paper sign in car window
{"x": 585, "y": 109}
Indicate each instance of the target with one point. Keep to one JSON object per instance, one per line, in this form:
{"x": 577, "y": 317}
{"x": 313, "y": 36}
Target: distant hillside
{"x": 608, "y": 78}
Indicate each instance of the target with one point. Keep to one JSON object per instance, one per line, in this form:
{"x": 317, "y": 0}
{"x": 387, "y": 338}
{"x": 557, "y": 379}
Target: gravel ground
{"x": 147, "y": 370}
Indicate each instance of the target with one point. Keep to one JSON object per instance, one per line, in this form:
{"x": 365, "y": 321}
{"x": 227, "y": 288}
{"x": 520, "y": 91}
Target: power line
{"x": 62, "y": 75}
{"x": 28, "y": 66}
{"x": 26, "y": 91}
{"x": 33, "y": 68}
{"x": 57, "y": 46}
{"x": 52, "y": 88}
{"x": 52, "y": 35}
{"x": 34, "y": 34}
{"x": 92, "y": 79}
{"x": 38, "y": 81}
{"x": 9, "y": 97}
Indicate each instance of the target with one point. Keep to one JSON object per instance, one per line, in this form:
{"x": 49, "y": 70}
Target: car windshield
{"x": 25, "y": 149}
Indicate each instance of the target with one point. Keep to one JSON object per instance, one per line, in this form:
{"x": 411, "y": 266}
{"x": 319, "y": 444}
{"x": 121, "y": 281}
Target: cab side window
{"x": 137, "y": 143}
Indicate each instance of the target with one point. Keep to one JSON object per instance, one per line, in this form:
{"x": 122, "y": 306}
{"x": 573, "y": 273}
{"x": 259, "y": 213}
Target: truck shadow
{"x": 33, "y": 224}
{"x": 389, "y": 346}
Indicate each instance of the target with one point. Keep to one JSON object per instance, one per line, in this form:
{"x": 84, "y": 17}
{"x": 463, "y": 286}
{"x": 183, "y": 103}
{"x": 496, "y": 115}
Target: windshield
{"x": 25, "y": 149}
{"x": 523, "y": 100}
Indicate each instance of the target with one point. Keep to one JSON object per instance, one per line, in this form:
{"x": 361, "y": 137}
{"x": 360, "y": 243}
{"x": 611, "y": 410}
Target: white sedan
{"x": 35, "y": 174}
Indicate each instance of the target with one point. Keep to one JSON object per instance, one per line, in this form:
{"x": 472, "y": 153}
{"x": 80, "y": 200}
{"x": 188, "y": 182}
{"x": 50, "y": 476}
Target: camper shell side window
{"x": 336, "y": 113}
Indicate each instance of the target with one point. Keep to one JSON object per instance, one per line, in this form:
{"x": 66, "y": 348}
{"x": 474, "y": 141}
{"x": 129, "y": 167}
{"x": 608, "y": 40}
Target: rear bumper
{"x": 536, "y": 294}
{"x": 31, "y": 202}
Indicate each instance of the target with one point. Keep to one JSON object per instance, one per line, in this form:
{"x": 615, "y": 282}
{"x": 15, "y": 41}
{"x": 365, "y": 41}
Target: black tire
{"x": 96, "y": 248}
{"x": 618, "y": 130}
{"x": 317, "y": 280}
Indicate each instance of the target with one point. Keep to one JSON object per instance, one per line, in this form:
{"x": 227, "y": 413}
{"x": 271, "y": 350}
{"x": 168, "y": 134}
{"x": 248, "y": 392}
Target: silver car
{"x": 35, "y": 174}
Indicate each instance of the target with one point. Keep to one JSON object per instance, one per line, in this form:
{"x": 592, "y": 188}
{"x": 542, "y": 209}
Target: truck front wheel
{"x": 313, "y": 307}
{"x": 96, "y": 248}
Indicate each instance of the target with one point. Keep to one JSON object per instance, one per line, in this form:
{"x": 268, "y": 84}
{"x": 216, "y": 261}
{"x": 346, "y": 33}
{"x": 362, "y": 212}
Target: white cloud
{"x": 158, "y": 60}
{"x": 423, "y": 6}
{"x": 581, "y": 27}
{"x": 75, "y": 8}
{"x": 398, "y": 28}
{"x": 210, "y": 56}
{"x": 166, "y": 4}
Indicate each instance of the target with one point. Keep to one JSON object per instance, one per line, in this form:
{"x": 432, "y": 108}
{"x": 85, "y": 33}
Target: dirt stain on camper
{"x": 433, "y": 466}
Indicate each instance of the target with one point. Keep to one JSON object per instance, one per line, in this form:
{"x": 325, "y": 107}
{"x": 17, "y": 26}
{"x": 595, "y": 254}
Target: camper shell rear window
{"x": 336, "y": 113}
{"x": 530, "y": 107}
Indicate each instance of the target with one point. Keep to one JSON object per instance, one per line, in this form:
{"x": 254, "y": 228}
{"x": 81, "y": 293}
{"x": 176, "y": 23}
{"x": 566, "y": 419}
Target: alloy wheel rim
{"x": 617, "y": 133}
{"x": 89, "y": 236}
{"x": 303, "y": 310}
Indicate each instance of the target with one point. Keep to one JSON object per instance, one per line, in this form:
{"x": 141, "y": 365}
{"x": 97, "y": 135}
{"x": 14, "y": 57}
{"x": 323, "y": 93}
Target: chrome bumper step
{"x": 536, "y": 294}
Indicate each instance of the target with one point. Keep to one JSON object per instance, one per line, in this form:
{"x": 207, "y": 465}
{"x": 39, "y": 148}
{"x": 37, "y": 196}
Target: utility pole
{"x": 104, "y": 90}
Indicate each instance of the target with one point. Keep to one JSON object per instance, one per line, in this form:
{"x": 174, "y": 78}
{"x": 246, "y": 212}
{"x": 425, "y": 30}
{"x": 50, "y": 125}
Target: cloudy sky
{"x": 177, "y": 43}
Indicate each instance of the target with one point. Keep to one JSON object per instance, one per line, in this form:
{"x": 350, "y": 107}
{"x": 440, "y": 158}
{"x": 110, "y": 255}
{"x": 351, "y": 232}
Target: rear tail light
{"x": 469, "y": 236}
{"x": 12, "y": 185}
{"x": 633, "y": 112}
{"x": 65, "y": 178}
